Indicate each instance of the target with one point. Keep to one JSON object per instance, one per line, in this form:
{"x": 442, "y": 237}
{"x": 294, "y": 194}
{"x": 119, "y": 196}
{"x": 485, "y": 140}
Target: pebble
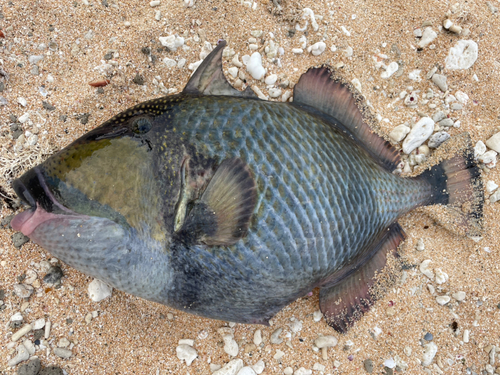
{"x": 288, "y": 371}
{"x": 399, "y": 133}
{"x": 494, "y": 142}
{"x": 63, "y": 343}
{"x": 420, "y": 132}
{"x": 172, "y": 42}
{"x": 437, "y": 139}
{"x": 407, "y": 351}
{"x": 491, "y": 186}
{"x": 30, "y": 368}
{"x": 230, "y": 368}
{"x": 390, "y": 70}
{"x": 443, "y": 300}
{"x": 441, "y": 277}
{"x": 39, "y": 324}
{"x": 271, "y": 79}
{"x": 99, "y": 290}
{"x": 23, "y": 291}
{"x": 233, "y": 71}
{"x": 424, "y": 268}
{"x": 318, "y": 367}
{"x": 462, "y": 56}
{"x": 154, "y": 3}
{"x": 302, "y": 371}
{"x": 459, "y": 296}
{"x": 429, "y": 353}
{"x": 275, "y": 336}
{"x": 428, "y": 336}
{"x": 186, "y": 353}
{"x": 48, "y": 325}
{"x": 247, "y": 370}
{"x": 254, "y": 66}
{"x": 326, "y": 341}
{"x": 479, "y": 149}
{"x": 420, "y": 245}
{"x": 169, "y": 63}
{"x": 440, "y": 81}
{"x": 63, "y": 353}
{"x": 259, "y": 367}
{"x": 446, "y": 122}
{"x": 317, "y": 48}
{"x": 279, "y": 354}
{"x": 16, "y": 318}
{"x": 22, "y": 101}
{"x": 274, "y": 92}
{"x": 495, "y": 197}
{"x": 427, "y": 37}
{"x": 257, "y": 337}
{"x": 411, "y": 100}
{"x": 24, "y": 118}
{"x": 368, "y": 364}
{"x": 389, "y": 363}
{"x": 488, "y": 157}
{"x": 317, "y": 315}
{"x": 466, "y": 336}
{"x": 297, "y": 51}
{"x": 53, "y": 275}
{"x": 22, "y": 355}
{"x": 230, "y": 345}
{"x": 29, "y": 346}
{"x": 34, "y": 59}
{"x": 189, "y": 342}
{"x": 438, "y": 116}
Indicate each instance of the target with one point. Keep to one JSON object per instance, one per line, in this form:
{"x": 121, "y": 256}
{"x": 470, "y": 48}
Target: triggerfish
{"x": 220, "y": 204}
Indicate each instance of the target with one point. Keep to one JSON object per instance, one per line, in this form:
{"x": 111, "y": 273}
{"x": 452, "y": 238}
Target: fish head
{"x": 102, "y": 190}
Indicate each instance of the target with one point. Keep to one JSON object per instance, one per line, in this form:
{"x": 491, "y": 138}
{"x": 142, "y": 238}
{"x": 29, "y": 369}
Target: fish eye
{"x": 141, "y": 125}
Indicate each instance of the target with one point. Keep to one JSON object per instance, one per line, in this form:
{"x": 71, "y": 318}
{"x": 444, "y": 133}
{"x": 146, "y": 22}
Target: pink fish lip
{"x": 27, "y": 221}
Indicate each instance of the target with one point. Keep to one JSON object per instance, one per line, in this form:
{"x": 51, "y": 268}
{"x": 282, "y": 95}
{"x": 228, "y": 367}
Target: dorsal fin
{"x": 222, "y": 215}
{"x": 209, "y": 78}
{"x": 322, "y": 89}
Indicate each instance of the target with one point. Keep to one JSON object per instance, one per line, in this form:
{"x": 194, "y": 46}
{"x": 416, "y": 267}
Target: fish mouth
{"x": 43, "y": 206}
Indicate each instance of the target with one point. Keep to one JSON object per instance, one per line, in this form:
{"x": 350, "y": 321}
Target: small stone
{"x": 317, "y": 315}
{"x": 186, "y": 353}
{"x": 459, "y": 296}
{"x": 420, "y": 245}
{"x": 399, "y": 133}
{"x": 491, "y": 186}
{"x": 154, "y": 3}
{"x": 278, "y": 355}
{"x": 230, "y": 345}
{"x": 254, "y": 66}
{"x": 302, "y": 371}
{"x": 430, "y": 352}
{"x": 424, "y": 268}
{"x": 189, "y": 342}
{"x": 247, "y": 370}
{"x": 495, "y": 197}
{"x": 271, "y": 79}
{"x": 39, "y": 324}
{"x": 437, "y": 139}
{"x": 466, "y": 336}
{"x": 462, "y": 56}
{"x": 48, "y": 106}
{"x": 319, "y": 367}
{"x": 275, "y": 339}
{"x": 446, "y": 122}
{"x": 230, "y": 368}
{"x": 427, "y": 37}
{"x": 172, "y": 42}
{"x": 34, "y": 59}
{"x": 368, "y": 364}
{"x": 326, "y": 341}
{"x": 99, "y": 290}
{"x": 250, "y": 347}
{"x": 30, "y": 368}
{"x": 479, "y": 149}
{"x": 288, "y": 371}
{"x": 407, "y": 351}
{"x": 443, "y": 300}
{"x": 138, "y": 79}
{"x": 428, "y": 336}
{"x": 19, "y": 239}
{"x": 317, "y": 48}
{"x": 53, "y": 275}
{"x": 391, "y": 311}
{"x": 259, "y": 367}
{"x": 488, "y": 157}
{"x": 390, "y": 70}
{"x": 63, "y": 353}
{"x": 257, "y": 337}
{"x": 420, "y": 132}
{"x": 494, "y": 142}
{"x": 22, "y": 355}
{"x": 63, "y": 343}
{"x": 35, "y": 70}
{"x": 447, "y": 24}
{"x": 440, "y": 81}
{"x": 23, "y": 291}
{"x": 441, "y": 277}
{"x": 438, "y": 116}
{"x": 233, "y": 71}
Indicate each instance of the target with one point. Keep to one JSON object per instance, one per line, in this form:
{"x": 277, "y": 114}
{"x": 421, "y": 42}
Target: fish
{"x": 222, "y": 205}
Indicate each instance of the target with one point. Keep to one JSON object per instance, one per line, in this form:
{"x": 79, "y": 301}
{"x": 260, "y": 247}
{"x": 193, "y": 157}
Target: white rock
{"x": 424, "y": 268}
{"x": 357, "y": 84}
{"x": 317, "y": 48}
{"x": 389, "y": 363}
{"x": 494, "y": 142}
{"x": 466, "y": 335}
{"x": 233, "y": 71}
{"x": 169, "y": 63}
{"x": 172, "y": 42}
{"x": 259, "y": 367}
{"x": 447, "y": 24}
{"x": 25, "y": 117}
{"x": 98, "y": 290}
{"x": 288, "y": 371}
{"x": 297, "y": 51}
{"x": 440, "y": 81}
{"x": 205, "y": 50}
{"x": 420, "y": 132}
{"x": 230, "y": 345}
{"x": 195, "y": 65}
{"x": 463, "y": 55}
{"x": 488, "y": 157}
{"x": 491, "y": 186}
{"x": 459, "y": 296}
{"x": 462, "y": 97}
{"x": 236, "y": 62}
{"x": 417, "y": 33}
{"x": 302, "y": 371}
{"x": 63, "y": 343}
{"x": 271, "y": 79}
{"x": 415, "y": 75}
{"x": 441, "y": 277}
{"x": 390, "y": 70}
{"x": 399, "y": 133}
{"x": 319, "y": 367}
{"x": 63, "y": 353}
{"x": 479, "y": 149}
{"x": 247, "y": 370}
{"x": 35, "y": 59}
{"x": 326, "y": 341}
{"x": 22, "y": 101}
{"x": 420, "y": 245}
{"x": 181, "y": 63}
{"x": 21, "y": 332}
{"x": 189, "y": 342}
{"x": 257, "y": 337}
{"x": 296, "y": 326}
{"x": 274, "y": 92}
{"x": 495, "y": 197}
{"x": 427, "y": 37}
{"x": 317, "y": 315}
{"x": 254, "y": 66}
{"x": 230, "y": 368}
{"x": 186, "y": 353}
{"x": 17, "y": 317}
{"x": 30, "y": 347}
{"x": 279, "y": 354}
{"x": 437, "y": 139}
{"x": 39, "y": 324}
{"x": 154, "y": 3}
{"x": 430, "y": 351}
{"x": 443, "y": 300}
{"x": 22, "y": 355}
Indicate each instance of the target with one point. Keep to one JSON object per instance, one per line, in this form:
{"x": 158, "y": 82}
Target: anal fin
{"x": 345, "y": 302}
{"x": 222, "y": 214}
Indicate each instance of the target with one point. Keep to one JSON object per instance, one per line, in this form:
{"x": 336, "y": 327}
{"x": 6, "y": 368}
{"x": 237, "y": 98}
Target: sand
{"x": 133, "y": 336}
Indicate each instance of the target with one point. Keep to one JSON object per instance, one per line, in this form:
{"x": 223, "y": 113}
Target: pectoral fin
{"x": 345, "y": 302}
{"x": 222, "y": 215}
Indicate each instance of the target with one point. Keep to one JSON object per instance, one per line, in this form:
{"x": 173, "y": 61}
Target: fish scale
{"x": 292, "y": 227}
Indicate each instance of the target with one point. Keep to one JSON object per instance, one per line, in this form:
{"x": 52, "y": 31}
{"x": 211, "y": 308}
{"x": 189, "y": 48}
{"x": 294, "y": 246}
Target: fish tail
{"x": 457, "y": 189}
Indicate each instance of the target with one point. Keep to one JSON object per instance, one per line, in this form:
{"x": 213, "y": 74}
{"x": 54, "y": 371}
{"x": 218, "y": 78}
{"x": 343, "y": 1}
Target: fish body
{"x": 226, "y": 206}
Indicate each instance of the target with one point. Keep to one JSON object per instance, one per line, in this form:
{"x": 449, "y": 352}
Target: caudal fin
{"x": 458, "y": 190}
